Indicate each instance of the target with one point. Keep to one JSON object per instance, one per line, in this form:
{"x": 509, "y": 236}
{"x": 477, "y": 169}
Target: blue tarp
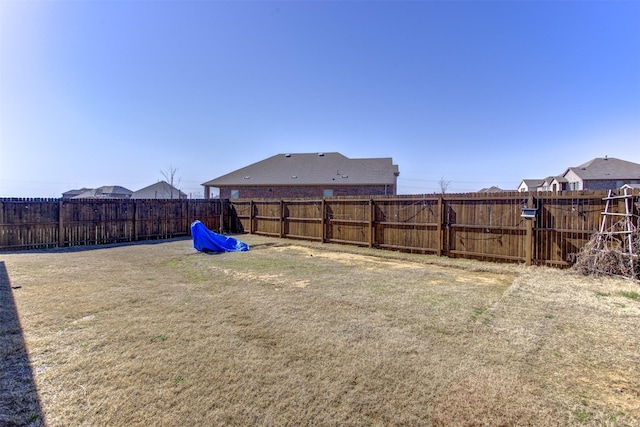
{"x": 205, "y": 240}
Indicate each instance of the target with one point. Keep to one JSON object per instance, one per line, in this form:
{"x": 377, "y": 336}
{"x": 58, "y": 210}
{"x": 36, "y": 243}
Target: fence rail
{"x": 46, "y": 223}
{"x": 476, "y": 225}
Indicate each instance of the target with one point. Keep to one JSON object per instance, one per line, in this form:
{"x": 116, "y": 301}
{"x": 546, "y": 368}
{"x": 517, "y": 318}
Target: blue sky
{"x": 479, "y": 93}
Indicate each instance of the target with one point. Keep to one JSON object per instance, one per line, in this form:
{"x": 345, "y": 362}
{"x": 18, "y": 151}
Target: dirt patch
{"x": 370, "y": 262}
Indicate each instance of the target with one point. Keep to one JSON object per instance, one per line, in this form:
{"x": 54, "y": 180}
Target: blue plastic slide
{"x": 205, "y": 240}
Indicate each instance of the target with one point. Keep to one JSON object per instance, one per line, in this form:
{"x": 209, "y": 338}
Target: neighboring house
{"x": 602, "y": 173}
{"x": 530, "y": 185}
{"x": 308, "y": 175}
{"x": 105, "y": 192}
{"x": 159, "y": 190}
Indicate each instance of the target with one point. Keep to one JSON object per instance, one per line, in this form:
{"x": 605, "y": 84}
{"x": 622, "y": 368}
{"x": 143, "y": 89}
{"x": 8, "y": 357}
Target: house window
{"x": 327, "y": 193}
{"x": 235, "y": 194}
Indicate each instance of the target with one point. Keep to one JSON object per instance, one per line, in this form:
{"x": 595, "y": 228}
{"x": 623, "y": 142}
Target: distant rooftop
{"x": 159, "y": 190}
{"x": 105, "y": 192}
{"x": 607, "y": 168}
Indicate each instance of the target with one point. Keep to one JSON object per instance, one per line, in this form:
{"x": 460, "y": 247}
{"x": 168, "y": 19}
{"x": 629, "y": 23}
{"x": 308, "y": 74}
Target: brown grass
{"x": 294, "y": 333}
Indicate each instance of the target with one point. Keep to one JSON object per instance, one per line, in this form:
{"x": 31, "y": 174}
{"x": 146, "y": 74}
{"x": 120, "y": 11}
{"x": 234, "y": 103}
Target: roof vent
{"x": 247, "y": 177}
{"x": 321, "y": 154}
{"x": 287, "y": 155}
{"x": 345, "y": 176}
{"x": 294, "y": 176}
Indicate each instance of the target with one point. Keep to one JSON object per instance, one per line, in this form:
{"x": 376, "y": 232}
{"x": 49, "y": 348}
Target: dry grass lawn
{"x": 298, "y": 333}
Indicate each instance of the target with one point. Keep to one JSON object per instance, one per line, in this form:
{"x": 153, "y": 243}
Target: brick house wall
{"x": 300, "y": 191}
{"x": 607, "y": 184}
{"x": 577, "y": 183}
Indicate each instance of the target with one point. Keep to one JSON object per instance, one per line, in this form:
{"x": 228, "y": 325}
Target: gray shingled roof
{"x": 607, "y": 168}
{"x": 71, "y": 193}
{"x": 159, "y": 190}
{"x": 311, "y": 169}
{"x": 107, "y": 191}
{"x": 492, "y": 189}
{"x": 533, "y": 183}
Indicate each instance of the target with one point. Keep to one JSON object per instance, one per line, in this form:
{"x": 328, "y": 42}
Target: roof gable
{"x": 311, "y": 169}
{"x": 532, "y": 183}
{"x": 559, "y": 179}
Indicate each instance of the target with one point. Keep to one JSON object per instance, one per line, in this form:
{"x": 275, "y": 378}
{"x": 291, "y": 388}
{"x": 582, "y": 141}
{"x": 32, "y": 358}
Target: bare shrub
{"x": 611, "y": 253}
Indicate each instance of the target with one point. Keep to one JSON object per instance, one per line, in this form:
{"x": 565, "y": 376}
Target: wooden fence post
{"x": 60, "y": 225}
{"x": 281, "y": 234}
{"x": 323, "y": 223}
{"x": 135, "y": 221}
{"x": 188, "y": 217}
{"x": 371, "y": 216}
{"x": 223, "y": 204}
{"x": 251, "y": 216}
{"x": 529, "y": 237}
{"x": 439, "y": 228}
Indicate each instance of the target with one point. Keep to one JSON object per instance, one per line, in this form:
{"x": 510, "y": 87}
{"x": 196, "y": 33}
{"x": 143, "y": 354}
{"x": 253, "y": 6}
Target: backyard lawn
{"x": 300, "y": 333}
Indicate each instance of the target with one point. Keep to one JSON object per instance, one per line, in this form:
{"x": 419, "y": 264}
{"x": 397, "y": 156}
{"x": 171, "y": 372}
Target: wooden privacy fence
{"x": 476, "y": 225}
{"x": 46, "y": 223}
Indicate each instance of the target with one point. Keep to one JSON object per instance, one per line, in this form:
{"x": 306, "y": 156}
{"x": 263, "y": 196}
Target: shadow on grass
{"x": 265, "y": 245}
{"x": 19, "y": 402}
{"x": 100, "y": 246}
